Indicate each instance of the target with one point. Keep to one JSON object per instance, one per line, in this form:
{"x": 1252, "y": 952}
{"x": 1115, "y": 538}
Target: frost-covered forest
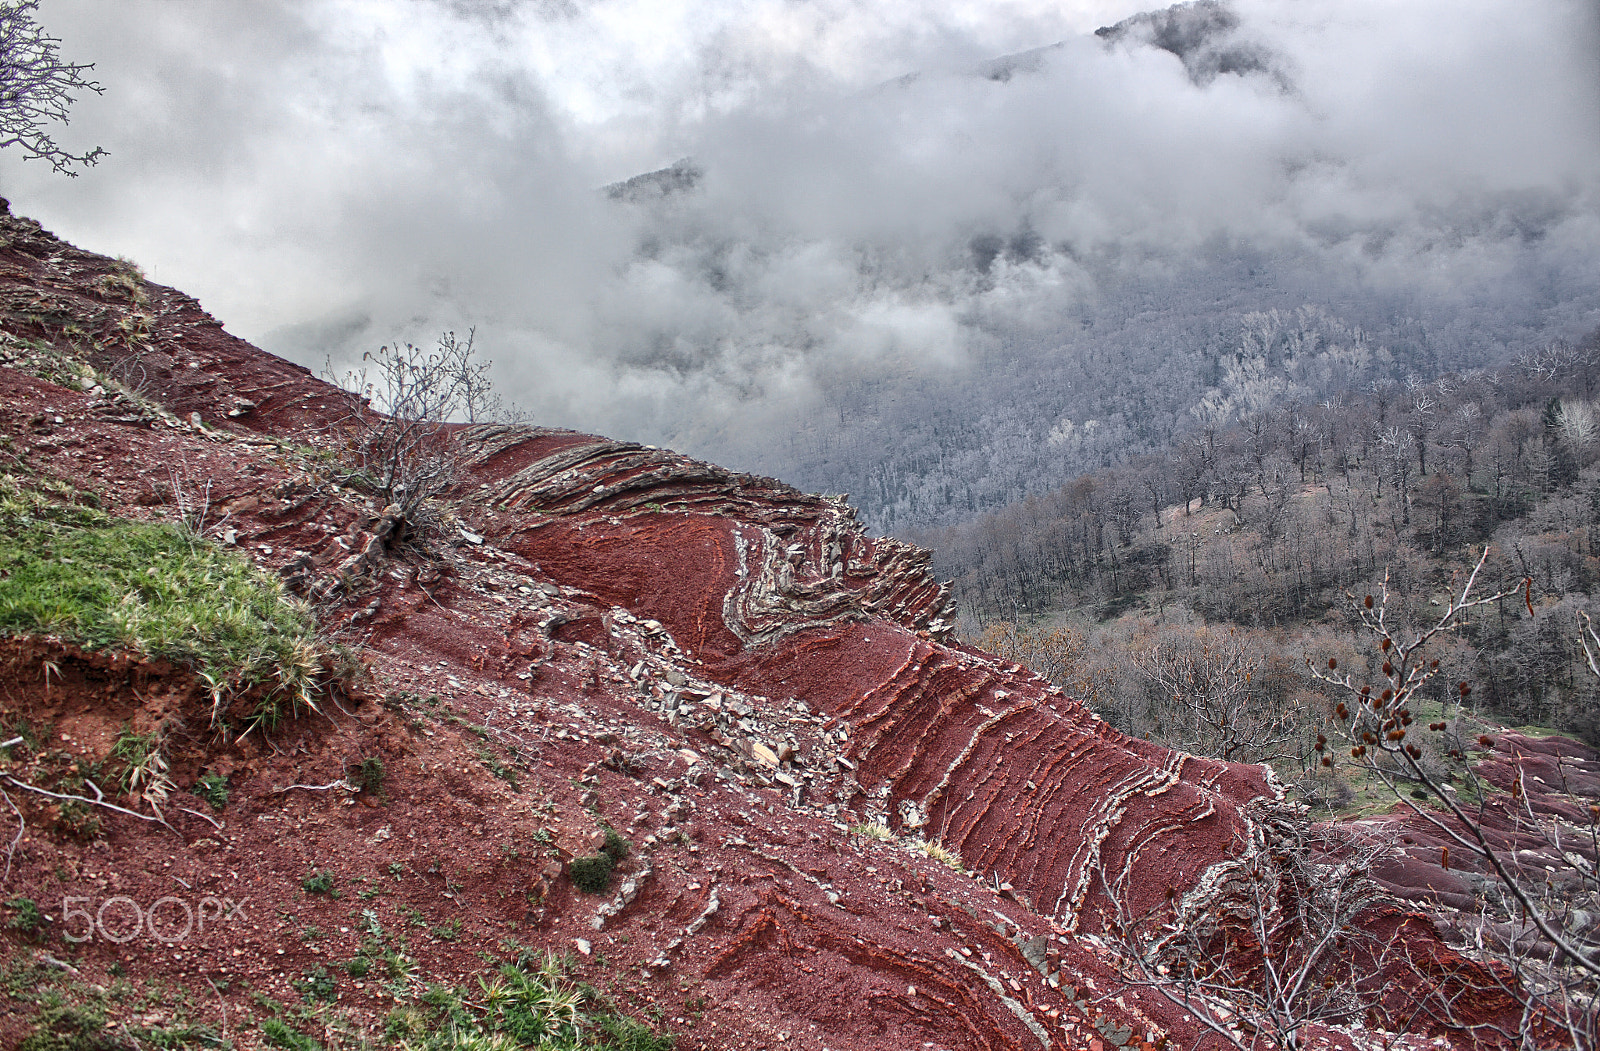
{"x": 1145, "y": 369}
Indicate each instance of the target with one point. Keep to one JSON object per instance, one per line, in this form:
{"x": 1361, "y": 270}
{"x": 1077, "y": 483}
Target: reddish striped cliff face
{"x": 780, "y": 594}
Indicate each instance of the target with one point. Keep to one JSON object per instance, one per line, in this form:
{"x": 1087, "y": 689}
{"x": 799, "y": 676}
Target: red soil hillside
{"x": 729, "y": 672}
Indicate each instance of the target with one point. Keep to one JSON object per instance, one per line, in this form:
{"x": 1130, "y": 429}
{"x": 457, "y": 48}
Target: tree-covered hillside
{"x": 1265, "y": 526}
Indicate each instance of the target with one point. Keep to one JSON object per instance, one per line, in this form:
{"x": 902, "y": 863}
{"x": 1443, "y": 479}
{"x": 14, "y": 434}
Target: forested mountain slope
{"x": 1268, "y": 524}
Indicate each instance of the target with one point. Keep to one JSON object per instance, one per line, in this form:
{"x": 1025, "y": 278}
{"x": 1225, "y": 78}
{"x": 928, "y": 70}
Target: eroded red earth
{"x": 728, "y": 671}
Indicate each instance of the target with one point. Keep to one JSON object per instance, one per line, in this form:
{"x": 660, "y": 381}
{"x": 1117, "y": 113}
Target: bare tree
{"x": 1540, "y": 921}
{"x": 36, "y": 88}
{"x": 397, "y": 432}
{"x": 1209, "y": 687}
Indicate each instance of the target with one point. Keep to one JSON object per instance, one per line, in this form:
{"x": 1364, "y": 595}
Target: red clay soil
{"x": 728, "y": 671}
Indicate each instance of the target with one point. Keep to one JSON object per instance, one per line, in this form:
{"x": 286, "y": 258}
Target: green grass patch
{"x": 534, "y": 1005}
{"x": 278, "y": 1033}
{"x": 155, "y": 588}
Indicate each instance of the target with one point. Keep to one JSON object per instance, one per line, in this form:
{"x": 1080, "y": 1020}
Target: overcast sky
{"x": 326, "y": 174}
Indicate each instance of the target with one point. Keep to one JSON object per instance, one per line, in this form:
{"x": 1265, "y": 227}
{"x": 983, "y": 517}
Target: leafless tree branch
{"x": 36, "y": 88}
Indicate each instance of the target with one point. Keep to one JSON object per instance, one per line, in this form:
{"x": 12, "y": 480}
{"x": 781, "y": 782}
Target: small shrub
{"x": 873, "y": 831}
{"x": 213, "y": 788}
{"x": 317, "y": 882}
{"x": 591, "y": 873}
{"x": 144, "y": 765}
{"x": 628, "y": 1034}
{"x": 67, "y": 1028}
{"x": 939, "y": 853}
{"x": 370, "y": 775}
{"x": 28, "y": 919}
{"x": 78, "y": 820}
{"x": 403, "y": 1023}
{"x": 449, "y": 1008}
{"x": 616, "y": 848}
{"x": 358, "y": 967}
{"x": 398, "y": 965}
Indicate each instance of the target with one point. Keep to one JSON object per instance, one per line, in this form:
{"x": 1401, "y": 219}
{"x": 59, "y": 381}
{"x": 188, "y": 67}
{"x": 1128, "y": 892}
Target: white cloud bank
{"x": 326, "y": 174}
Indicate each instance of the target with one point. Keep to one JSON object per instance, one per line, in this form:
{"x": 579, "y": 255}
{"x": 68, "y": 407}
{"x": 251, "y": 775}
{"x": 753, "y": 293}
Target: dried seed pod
{"x": 1386, "y": 645}
{"x": 1333, "y": 662}
{"x": 1367, "y": 602}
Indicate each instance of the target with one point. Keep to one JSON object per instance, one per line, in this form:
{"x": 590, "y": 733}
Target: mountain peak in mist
{"x": 1203, "y": 35}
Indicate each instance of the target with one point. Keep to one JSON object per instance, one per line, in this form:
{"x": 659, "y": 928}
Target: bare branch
{"x": 22, "y": 826}
{"x": 1547, "y": 941}
{"x": 397, "y": 432}
{"x": 36, "y": 88}
{"x": 341, "y": 783}
{"x": 1283, "y": 942}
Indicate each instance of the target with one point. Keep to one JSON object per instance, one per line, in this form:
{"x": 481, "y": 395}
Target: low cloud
{"x": 327, "y": 176}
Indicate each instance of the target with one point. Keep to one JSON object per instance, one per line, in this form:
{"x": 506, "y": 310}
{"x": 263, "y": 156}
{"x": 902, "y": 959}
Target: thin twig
{"x": 341, "y": 783}
{"x": 22, "y": 826}
{"x": 214, "y": 822}
{"x": 100, "y": 801}
{"x": 223, "y": 1000}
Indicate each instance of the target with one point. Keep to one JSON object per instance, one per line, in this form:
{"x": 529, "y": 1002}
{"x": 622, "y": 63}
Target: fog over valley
{"x": 938, "y": 256}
